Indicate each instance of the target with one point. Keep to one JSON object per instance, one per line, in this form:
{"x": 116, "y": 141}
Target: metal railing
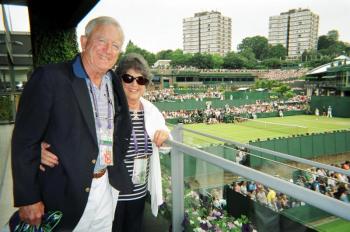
{"x": 328, "y": 204}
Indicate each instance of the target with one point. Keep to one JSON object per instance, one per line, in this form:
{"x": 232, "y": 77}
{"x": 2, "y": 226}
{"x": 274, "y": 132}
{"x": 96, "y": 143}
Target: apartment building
{"x": 207, "y": 32}
{"x": 296, "y": 30}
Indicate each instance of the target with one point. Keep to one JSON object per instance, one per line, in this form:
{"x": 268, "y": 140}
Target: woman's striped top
{"x": 137, "y": 119}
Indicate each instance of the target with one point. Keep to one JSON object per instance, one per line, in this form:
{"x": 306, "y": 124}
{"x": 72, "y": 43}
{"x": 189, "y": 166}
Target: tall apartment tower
{"x": 207, "y": 32}
{"x": 296, "y": 30}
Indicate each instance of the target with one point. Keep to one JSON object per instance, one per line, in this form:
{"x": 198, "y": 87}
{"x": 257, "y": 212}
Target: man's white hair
{"x": 103, "y": 20}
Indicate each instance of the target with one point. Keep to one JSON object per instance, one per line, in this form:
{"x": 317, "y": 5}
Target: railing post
{"x": 177, "y": 181}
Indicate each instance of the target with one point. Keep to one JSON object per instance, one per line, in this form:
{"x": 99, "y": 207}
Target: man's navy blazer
{"x": 55, "y": 107}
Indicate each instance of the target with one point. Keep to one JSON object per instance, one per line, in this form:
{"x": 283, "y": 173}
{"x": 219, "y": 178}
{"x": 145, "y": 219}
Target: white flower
{"x": 198, "y": 230}
{"x": 237, "y": 223}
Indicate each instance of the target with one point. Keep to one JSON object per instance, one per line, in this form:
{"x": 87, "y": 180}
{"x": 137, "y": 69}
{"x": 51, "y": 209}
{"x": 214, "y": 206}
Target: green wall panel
{"x": 329, "y": 143}
{"x": 340, "y": 142}
{"x": 294, "y": 146}
{"x": 318, "y": 144}
{"x": 348, "y": 141}
{"x": 268, "y": 144}
{"x": 306, "y": 147}
{"x": 255, "y": 161}
{"x": 281, "y": 145}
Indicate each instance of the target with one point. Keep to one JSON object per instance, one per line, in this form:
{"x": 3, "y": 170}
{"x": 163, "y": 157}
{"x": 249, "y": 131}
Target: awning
{"x": 329, "y": 77}
{"x": 311, "y": 77}
{"x": 260, "y": 89}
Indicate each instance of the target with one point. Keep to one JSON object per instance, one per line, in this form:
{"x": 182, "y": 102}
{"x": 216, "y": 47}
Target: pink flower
{"x": 230, "y": 225}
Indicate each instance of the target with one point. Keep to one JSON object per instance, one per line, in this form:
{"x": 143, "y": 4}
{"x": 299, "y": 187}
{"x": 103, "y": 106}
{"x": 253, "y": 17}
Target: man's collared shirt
{"x": 102, "y": 102}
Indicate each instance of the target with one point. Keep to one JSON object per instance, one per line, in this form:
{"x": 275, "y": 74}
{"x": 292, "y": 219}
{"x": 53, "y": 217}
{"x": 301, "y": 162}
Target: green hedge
{"x": 5, "y": 108}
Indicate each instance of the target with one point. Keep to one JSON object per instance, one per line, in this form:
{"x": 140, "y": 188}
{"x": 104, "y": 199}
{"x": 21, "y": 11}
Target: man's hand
{"x": 47, "y": 158}
{"x": 160, "y": 136}
{"x": 32, "y": 214}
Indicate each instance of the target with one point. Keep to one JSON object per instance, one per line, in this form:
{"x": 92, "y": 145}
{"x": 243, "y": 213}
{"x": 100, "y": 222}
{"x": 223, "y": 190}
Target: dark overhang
{"x": 44, "y": 16}
{"x": 14, "y": 2}
{"x": 21, "y": 49}
{"x": 55, "y": 15}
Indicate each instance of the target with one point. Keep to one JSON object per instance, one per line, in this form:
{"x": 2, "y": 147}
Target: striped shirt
{"x": 139, "y": 190}
{"x": 103, "y": 106}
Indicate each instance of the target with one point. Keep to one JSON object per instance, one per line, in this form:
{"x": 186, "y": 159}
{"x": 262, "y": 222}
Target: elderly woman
{"x": 142, "y": 158}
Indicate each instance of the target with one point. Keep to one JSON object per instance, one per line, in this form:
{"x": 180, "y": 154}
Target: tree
{"x": 324, "y": 42}
{"x": 234, "y": 61}
{"x": 250, "y": 58}
{"x": 333, "y": 35}
{"x": 277, "y": 51}
{"x": 164, "y": 55}
{"x": 266, "y": 84}
{"x": 309, "y": 55}
{"x": 272, "y": 63}
{"x": 336, "y": 49}
{"x": 149, "y": 57}
{"x": 204, "y": 61}
{"x": 178, "y": 58}
{"x": 281, "y": 90}
{"x": 258, "y": 45}
{"x": 218, "y": 61}
{"x": 329, "y": 45}
{"x": 318, "y": 62}
{"x": 289, "y": 94}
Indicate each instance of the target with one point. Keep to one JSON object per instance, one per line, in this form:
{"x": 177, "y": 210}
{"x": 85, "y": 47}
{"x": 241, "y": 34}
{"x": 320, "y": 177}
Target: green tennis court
{"x": 276, "y": 127}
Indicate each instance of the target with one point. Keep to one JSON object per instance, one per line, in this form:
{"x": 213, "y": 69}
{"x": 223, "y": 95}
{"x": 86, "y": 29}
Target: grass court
{"x": 275, "y": 128}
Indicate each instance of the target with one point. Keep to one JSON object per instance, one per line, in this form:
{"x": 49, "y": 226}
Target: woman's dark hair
{"x": 133, "y": 61}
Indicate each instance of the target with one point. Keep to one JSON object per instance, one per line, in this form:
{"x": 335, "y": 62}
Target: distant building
{"x": 329, "y": 87}
{"x": 164, "y": 78}
{"x": 332, "y": 79}
{"x": 162, "y": 64}
{"x": 296, "y": 30}
{"x": 207, "y": 32}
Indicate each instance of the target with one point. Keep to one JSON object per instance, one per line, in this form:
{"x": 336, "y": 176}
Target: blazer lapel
{"x": 82, "y": 94}
{"x": 121, "y": 110}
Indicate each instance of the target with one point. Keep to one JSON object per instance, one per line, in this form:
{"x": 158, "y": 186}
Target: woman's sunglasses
{"x": 139, "y": 80}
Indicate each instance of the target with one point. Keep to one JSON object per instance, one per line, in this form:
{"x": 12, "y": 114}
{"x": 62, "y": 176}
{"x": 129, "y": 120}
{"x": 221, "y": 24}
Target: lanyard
{"x": 135, "y": 141}
{"x": 109, "y": 108}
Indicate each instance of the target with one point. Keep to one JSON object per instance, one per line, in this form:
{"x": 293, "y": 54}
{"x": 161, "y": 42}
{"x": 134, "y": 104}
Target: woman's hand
{"x": 160, "y": 136}
{"x": 47, "y": 158}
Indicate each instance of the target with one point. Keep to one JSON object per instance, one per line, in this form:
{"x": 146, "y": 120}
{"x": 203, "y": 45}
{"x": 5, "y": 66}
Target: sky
{"x": 156, "y": 25}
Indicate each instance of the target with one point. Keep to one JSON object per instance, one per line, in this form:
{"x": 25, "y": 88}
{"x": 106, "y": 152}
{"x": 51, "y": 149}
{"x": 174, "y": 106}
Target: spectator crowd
{"x": 326, "y": 182}
{"x": 230, "y": 114}
{"x": 169, "y": 94}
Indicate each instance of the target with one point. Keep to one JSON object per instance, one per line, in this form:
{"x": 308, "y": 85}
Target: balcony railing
{"x": 180, "y": 150}
{"x": 218, "y": 170}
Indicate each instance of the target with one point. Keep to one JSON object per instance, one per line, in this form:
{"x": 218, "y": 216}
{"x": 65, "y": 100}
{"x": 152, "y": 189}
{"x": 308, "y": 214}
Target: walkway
{"x": 6, "y": 199}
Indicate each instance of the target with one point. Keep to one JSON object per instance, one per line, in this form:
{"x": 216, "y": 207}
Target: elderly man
{"x": 80, "y": 109}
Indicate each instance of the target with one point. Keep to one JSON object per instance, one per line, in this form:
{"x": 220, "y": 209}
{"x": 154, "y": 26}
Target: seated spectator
{"x": 243, "y": 186}
{"x": 261, "y": 195}
{"x": 271, "y": 195}
{"x": 342, "y": 194}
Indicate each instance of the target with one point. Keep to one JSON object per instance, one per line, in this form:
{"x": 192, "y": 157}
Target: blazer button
{"x": 87, "y": 190}
{"x": 93, "y": 161}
